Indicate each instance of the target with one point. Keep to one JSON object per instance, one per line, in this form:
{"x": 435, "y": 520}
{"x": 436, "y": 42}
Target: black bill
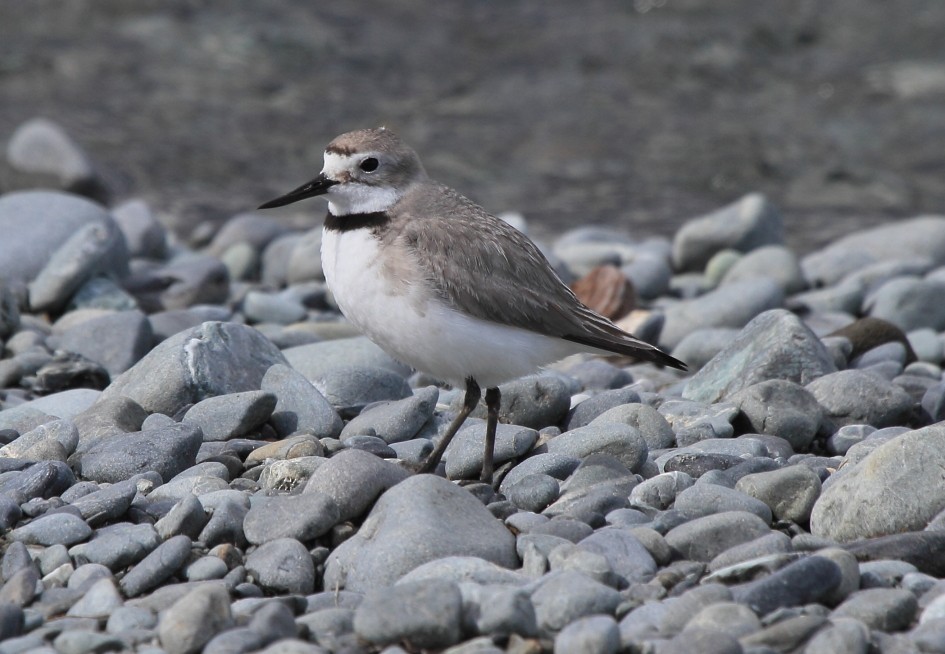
{"x": 317, "y": 186}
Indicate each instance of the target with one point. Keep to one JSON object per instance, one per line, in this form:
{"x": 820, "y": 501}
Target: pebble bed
{"x": 199, "y": 454}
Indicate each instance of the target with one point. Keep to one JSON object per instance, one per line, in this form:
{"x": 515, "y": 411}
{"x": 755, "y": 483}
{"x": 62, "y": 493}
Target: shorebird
{"x": 442, "y": 285}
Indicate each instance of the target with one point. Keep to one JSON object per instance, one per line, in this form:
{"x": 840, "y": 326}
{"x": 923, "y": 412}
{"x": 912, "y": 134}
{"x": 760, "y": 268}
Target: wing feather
{"x": 476, "y": 262}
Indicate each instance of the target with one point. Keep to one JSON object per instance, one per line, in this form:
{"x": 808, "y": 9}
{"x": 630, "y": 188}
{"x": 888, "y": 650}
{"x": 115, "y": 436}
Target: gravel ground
{"x": 197, "y": 452}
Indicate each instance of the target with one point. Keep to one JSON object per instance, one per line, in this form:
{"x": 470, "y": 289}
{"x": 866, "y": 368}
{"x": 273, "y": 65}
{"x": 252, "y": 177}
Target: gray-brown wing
{"x": 478, "y": 263}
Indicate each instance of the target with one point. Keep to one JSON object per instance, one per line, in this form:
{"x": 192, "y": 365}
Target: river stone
{"x": 96, "y": 249}
{"x": 116, "y": 340}
{"x": 774, "y": 261}
{"x": 790, "y": 492}
{"x": 775, "y": 345}
{"x": 896, "y": 488}
{"x": 621, "y": 441}
{"x": 732, "y": 305}
{"x": 705, "y": 538}
{"x": 421, "y": 519}
{"x": 353, "y": 479}
{"x": 536, "y": 401}
{"x": 37, "y": 223}
{"x": 166, "y": 450}
{"x": 750, "y": 222}
{"x": 922, "y": 237}
{"x": 214, "y": 358}
{"x": 781, "y": 408}
{"x": 841, "y": 395}
{"x": 427, "y": 614}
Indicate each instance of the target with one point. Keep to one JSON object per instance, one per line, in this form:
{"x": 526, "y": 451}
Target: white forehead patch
{"x": 336, "y": 164}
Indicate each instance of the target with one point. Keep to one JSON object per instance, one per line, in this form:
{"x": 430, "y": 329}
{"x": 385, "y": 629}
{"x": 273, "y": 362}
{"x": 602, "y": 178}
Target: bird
{"x": 441, "y": 284}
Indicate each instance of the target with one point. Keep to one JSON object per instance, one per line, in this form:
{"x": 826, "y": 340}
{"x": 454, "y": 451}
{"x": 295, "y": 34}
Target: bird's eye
{"x": 369, "y": 165}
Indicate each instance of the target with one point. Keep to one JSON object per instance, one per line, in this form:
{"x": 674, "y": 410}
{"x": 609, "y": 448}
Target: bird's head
{"x": 365, "y": 171}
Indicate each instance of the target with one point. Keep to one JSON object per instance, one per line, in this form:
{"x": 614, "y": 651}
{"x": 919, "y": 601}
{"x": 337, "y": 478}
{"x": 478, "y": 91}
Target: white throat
{"x": 351, "y": 197}
{"x": 346, "y": 199}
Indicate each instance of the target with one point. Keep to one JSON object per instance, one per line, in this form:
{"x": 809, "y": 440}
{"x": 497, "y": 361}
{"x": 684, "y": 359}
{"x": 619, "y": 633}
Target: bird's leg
{"x": 469, "y": 403}
{"x": 493, "y": 400}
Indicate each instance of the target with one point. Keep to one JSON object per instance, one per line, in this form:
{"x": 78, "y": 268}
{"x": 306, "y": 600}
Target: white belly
{"x": 413, "y": 326}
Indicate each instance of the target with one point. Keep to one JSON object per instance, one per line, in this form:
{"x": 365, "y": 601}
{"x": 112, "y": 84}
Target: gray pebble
{"x": 117, "y": 546}
{"x": 62, "y": 431}
{"x": 790, "y": 492}
{"x": 354, "y": 479}
{"x": 96, "y": 248}
{"x": 562, "y": 597}
{"x": 750, "y": 222}
{"x": 840, "y": 395}
{"x": 558, "y": 466}
{"x": 534, "y": 492}
{"x": 371, "y": 444}
{"x": 625, "y": 554}
{"x": 145, "y": 236}
{"x": 126, "y": 618}
{"x": 774, "y": 345}
{"x": 282, "y": 566}
{"x": 591, "y": 408}
{"x": 735, "y": 619}
{"x": 858, "y": 505}
{"x": 166, "y": 559}
{"x": 320, "y": 360}
{"x": 732, "y": 305}
{"x": 41, "y": 480}
{"x": 395, "y": 421}
{"x": 225, "y": 524}
{"x": 271, "y": 307}
{"x": 498, "y": 610}
{"x": 700, "y": 346}
{"x": 619, "y": 440}
{"x": 21, "y": 588}
{"x": 166, "y": 450}
{"x": 847, "y": 436}
{"x": 211, "y": 359}
{"x": 78, "y": 641}
{"x": 597, "y": 634}
{"x": 302, "y": 517}
{"x": 194, "y": 619}
{"x": 773, "y": 261}
{"x": 929, "y": 635}
{"x": 299, "y": 404}
{"x": 231, "y": 416}
{"x": 598, "y": 374}
{"x": 660, "y": 492}
{"x": 116, "y": 340}
{"x": 884, "y": 609}
{"x": 909, "y": 303}
{"x": 759, "y": 548}
{"x": 536, "y": 402}
{"x": 421, "y": 509}
{"x": 656, "y": 431}
{"x": 351, "y": 388}
{"x": 426, "y": 614}
{"x": 705, "y": 538}
{"x": 165, "y": 324}
{"x": 205, "y": 568}
{"x": 107, "y": 504}
{"x": 64, "y": 528}
{"x": 99, "y": 601}
{"x": 707, "y": 499}
{"x": 464, "y": 456}
{"x": 782, "y": 408}
{"x": 804, "y": 581}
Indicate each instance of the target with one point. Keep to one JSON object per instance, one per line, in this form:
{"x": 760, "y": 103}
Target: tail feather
{"x": 628, "y": 346}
